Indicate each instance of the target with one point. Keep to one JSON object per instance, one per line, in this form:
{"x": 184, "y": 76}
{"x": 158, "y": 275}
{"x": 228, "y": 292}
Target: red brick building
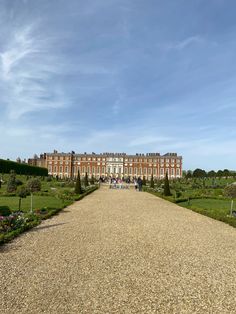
{"x": 110, "y": 164}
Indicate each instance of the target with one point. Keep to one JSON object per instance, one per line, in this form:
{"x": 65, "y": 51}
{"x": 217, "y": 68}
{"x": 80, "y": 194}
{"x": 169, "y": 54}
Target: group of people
{"x": 138, "y": 184}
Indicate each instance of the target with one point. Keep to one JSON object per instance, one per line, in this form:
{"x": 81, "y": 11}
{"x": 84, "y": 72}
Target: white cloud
{"x": 27, "y": 67}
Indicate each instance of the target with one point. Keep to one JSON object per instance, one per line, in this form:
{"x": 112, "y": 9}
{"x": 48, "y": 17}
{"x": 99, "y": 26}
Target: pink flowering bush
{"x": 12, "y": 222}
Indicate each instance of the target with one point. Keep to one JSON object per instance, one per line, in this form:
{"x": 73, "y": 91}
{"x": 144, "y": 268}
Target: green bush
{"x": 5, "y": 211}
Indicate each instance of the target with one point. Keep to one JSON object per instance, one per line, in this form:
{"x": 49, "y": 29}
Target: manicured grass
{"x": 214, "y": 208}
{"x": 38, "y": 202}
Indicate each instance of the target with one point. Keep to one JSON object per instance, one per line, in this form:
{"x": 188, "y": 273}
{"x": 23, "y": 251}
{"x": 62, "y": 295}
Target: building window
{"x": 130, "y": 170}
{"x": 109, "y": 170}
{"x": 172, "y": 171}
{"x": 98, "y": 170}
{"x": 93, "y": 169}
{"x": 60, "y": 168}
{"x": 114, "y": 170}
{"x": 66, "y": 169}
{"x": 162, "y": 171}
{"x": 135, "y": 171}
{"x": 154, "y": 171}
{"x": 167, "y": 171}
{"x": 126, "y": 170}
{"x": 83, "y": 169}
{"x": 119, "y": 170}
{"x": 103, "y": 169}
{"x": 88, "y": 169}
{"x": 149, "y": 171}
{"x": 178, "y": 172}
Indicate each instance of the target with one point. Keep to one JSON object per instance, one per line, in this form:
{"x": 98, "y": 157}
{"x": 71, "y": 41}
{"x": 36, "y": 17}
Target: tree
{"x": 152, "y": 182}
{"x": 144, "y": 180}
{"x": 78, "y": 189}
{"x": 226, "y": 173}
{"x": 219, "y": 173}
{"x": 189, "y": 174}
{"x": 166, "y": 186}
{"x": 211, "y": 174}
{"x": 22, "y": 193}
{"x": 199, "y": 173}
{"x": 92, "y": 180}
{"x": 86, "y": 180}
{"x": 34, "y": 185}
{"x": 11, "y": 184}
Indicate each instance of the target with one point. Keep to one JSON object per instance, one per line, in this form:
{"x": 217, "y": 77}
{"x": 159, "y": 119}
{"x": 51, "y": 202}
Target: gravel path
{"x": 121, "y": 252}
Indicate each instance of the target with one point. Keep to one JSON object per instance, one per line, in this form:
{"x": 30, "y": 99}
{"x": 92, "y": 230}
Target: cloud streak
{"x": 26, "y": 71}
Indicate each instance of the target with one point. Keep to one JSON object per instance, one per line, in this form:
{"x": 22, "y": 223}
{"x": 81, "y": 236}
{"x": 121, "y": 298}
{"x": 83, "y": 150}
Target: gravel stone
{"x": 121, "y": 251}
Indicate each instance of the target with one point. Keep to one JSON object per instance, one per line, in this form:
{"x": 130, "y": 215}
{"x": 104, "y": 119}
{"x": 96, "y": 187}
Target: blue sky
{"x": 119, "y": 76}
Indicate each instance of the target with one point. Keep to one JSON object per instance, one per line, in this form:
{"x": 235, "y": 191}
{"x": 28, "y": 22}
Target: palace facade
{"x": 119, "y": 165}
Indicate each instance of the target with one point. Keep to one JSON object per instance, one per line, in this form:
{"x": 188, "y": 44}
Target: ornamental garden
{"x": 28, "y": 196}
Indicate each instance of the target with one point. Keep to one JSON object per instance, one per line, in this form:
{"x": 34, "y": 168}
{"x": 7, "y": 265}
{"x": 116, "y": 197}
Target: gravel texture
{"x": 121, "y": 251}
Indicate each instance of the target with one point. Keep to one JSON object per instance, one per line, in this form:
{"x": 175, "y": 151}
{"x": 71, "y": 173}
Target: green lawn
{"x": 38, "y": 202}
{"x": 217, "y": 209}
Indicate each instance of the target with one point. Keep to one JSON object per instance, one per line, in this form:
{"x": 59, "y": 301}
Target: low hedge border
{"x": 4, "y": 238}
{"x": 214, "y": 215}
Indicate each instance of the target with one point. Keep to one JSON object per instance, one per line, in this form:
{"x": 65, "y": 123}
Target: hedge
{"x": 7, "y": 165}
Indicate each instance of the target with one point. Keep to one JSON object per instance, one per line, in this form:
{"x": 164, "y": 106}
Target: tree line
{"x": 7, "y": 165}
{"x": 200, "y": 173}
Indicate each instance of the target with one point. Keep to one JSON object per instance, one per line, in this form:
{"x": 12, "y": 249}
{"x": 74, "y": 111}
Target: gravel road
{"x": 121, "y": 251}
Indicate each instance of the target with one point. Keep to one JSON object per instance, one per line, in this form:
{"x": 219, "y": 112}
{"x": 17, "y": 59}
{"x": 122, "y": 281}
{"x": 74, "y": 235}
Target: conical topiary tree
{"x": 86, "y": 180}
{"x": 92, "y": 180}
{"x": 78, "y": 189}
{"x": 144, "y": 180}
{"x": 152, "y": 182}
{"x": 166, "y": 186}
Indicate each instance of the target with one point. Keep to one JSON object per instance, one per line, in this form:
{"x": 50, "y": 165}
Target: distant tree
{"x": 226, "y": 173}
{"x": 211, "y": 174}
{"x": 86, "y": 180}
{"x": 166, "y": 186}
{"x": 219, "y": 173}
{"x": 78, "y": 189}
{"x": 0, "y": 183}
{"x": 152, "y": 182}
{"x": 144, "y": 180}
{"x": 22, "y": 193}
{"x": 199, "y": 173}
{"x": 189, "y": 174}
{"x": 11, "y": 184}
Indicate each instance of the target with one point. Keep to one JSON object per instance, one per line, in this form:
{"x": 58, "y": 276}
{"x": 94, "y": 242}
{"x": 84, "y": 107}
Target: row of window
{"x": 127, "y": 171}
{"x": 167, "y": 160}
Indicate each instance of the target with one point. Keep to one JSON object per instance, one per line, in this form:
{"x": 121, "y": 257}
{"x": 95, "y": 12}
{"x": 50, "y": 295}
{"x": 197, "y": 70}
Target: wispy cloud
{"x": 26, "y": 69}
{"x": 182, "y": 44}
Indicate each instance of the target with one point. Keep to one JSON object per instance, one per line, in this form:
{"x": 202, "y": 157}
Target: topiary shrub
{"x": 5, "y": 211}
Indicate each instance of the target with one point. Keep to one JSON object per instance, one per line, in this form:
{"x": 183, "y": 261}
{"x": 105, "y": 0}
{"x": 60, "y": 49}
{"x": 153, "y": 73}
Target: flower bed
{"x": 17, "y": 222}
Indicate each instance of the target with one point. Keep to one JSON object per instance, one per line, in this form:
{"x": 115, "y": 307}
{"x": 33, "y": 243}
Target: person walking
{"x": 140, "y": 183}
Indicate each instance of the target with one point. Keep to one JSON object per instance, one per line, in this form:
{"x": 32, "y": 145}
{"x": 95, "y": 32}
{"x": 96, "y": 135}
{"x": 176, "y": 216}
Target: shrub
{"x": 5, "y": 211}
{"x": 230, "y": 190}
{"x": 11, "y": 185}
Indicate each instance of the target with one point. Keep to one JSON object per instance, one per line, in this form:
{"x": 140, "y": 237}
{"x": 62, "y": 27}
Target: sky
{"x": 134, "y": 76}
